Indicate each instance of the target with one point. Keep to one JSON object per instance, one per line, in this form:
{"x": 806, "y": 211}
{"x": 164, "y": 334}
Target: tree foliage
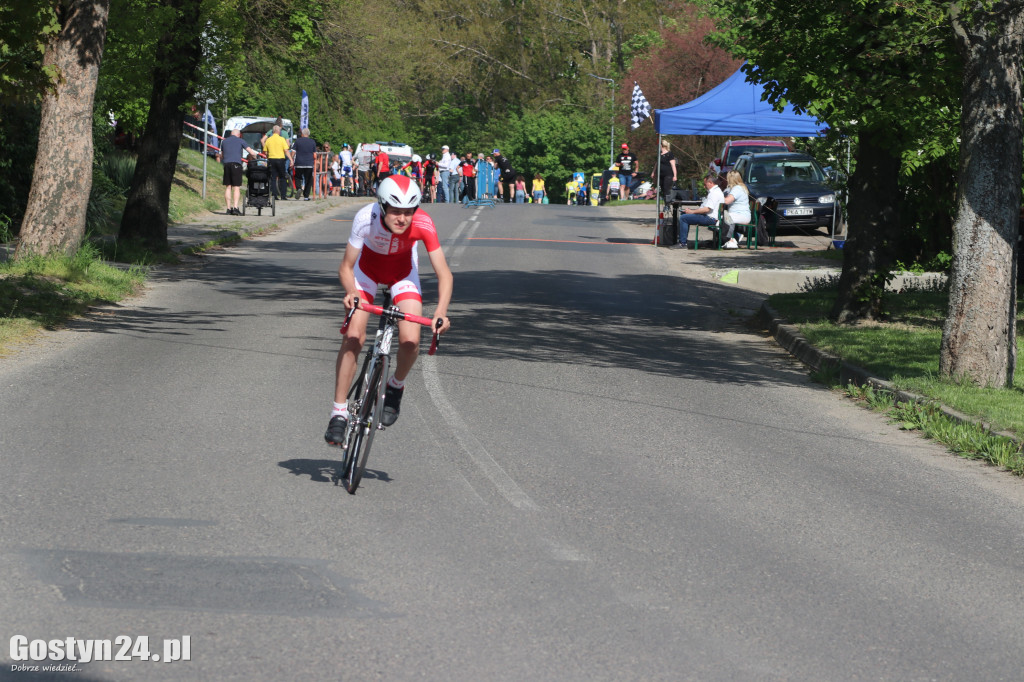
{"x": 881, "y": 71}
{"x": 501, "y": 73}
{"x": 177, "y": 59}
{"x": 680, "y": 65}
{"x": 26, "y": 27}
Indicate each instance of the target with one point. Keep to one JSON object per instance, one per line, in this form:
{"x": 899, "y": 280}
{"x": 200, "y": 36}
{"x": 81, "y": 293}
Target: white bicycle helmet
{"x": 398, "y": 191}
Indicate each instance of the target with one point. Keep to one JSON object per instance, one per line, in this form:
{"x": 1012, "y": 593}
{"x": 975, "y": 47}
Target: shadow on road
{"x": 663, "y": 324}
{"x": 323, "y": 470}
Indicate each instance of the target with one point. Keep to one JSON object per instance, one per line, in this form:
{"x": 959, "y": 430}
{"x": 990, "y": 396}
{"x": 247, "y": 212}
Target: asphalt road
{"x": 603, "y": 475}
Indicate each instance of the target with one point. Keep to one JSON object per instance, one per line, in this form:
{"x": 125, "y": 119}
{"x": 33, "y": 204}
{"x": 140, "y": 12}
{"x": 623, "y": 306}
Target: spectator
{"x": 195, "y": 136}
{"x": 494, "y": 174}
{"x": 506, "y": 176}
{"x": 443, "y": 166}
{"x": 469, "y": 178}
{"x": 483, "y": 179}
{"x": 705, "y": 214}
{"x": 336, "y": 181}
{"x": 667, "y": 169}
{"x": 571, "y": 189}
{"x": 347, "y": 174}
{"x": 737, "y": 202}
{"x": 276, "y": 149}
{"x": 614, "y": 184}
{"x": 362, "y": 161}
{"x": 383, "y": 165}
{"x": 303, "y": 154}
{"x": 231, "y": 156}
{"x": 454, "y": 164}
{"x": 279, "y": 122}
{"x": 520, "y": 189}
{"x": 328, "y": 158}
{"x": 538, "y": 189}
{"x": 627, "y": 170}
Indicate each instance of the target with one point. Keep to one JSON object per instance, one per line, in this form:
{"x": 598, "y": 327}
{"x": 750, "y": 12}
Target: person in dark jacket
{"x": 303, "y": 154}
{"x": 506, "y": 176}
{"x": 231, "y": 156}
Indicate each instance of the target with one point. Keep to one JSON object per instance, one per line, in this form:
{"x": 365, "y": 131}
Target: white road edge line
{"x": 470, "y": 445}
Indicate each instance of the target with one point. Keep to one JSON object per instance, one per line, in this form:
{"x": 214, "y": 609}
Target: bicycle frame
{"x": 366, "y": 396}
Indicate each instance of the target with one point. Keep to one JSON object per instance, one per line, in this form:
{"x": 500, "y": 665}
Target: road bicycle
{"x": 366, "y": 396}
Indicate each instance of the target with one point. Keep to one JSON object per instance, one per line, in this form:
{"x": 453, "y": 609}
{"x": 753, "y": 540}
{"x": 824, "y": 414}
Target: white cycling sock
{"x": 340, "y": 409}
{"x": 395, "y": 383}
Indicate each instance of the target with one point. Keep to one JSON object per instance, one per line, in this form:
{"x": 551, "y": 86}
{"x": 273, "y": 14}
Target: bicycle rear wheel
{"x": 371, "y": 406}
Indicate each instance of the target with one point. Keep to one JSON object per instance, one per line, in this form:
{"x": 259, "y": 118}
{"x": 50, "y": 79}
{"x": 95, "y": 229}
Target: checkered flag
{"x": 641, "y": 108}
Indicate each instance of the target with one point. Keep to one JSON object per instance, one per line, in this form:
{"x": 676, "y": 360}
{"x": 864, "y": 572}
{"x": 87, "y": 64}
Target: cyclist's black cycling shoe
{"x": 336, "y": 430}
{"x": 392, "y": 402}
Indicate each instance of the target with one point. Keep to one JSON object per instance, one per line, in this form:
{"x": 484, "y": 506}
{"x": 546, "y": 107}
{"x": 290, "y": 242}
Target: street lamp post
{"x": 206, "y": 141}
{"x": 611, "y": 145}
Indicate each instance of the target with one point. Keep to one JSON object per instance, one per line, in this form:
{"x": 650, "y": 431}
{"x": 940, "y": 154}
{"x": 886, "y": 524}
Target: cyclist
{"x": 382, "y": 250}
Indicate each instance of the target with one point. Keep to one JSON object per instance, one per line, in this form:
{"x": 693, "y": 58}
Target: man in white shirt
{"x": 443, "y": 167}
{"x": 705, "y": 214}
{"x": 363, "y": 159}
{"x": 453, "y": 178}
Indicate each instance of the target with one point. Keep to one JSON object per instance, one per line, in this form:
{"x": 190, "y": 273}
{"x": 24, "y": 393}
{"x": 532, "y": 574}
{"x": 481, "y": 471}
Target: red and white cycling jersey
{"x": 387, "y": 258}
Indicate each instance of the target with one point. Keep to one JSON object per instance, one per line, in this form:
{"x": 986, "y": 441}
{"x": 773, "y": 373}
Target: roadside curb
{"x": 788, "y": 336}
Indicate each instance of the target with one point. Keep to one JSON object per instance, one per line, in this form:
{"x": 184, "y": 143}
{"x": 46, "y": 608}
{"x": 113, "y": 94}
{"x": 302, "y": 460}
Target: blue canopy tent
{"x": 735, "y": 108}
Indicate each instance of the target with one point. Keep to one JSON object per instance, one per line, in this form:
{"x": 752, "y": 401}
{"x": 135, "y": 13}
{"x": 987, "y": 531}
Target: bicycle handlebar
{"x": 398, "y": 314}
{"x": 408, "y": 317}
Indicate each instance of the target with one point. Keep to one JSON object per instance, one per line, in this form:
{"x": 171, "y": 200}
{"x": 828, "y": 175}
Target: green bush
{"x": 6, "y": 234}
{"x": 120, "y": 169}
{"x": 103, "y": 202}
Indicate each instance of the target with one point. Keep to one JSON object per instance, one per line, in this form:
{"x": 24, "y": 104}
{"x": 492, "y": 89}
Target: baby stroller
{"x": 257, "y": 190}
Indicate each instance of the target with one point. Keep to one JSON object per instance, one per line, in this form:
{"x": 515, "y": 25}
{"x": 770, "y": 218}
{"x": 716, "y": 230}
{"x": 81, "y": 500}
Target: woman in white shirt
{"x": 737, "y": 202}
{"x": 336, "y": 175}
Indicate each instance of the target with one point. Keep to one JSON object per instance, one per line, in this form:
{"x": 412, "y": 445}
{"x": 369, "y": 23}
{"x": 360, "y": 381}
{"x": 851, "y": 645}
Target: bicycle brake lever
{"x": 434, "y": 343}
{"x": 348, "y": 318}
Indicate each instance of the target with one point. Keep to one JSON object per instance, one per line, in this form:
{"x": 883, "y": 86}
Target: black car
{"x": 791, "y": 186}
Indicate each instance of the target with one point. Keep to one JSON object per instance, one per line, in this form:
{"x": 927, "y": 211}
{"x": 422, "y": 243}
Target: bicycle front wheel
{"x": 370, "y": 409}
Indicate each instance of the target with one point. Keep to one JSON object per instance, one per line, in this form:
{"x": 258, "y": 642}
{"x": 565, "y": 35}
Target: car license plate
{"x": 799, "y": 211}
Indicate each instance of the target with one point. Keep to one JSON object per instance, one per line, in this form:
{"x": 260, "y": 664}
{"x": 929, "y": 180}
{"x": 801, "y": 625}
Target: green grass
{"x": 187, "y": 189}
{"x": 826, "y": 254}
{"x": 905, "y": 350}
{"x": 127, "y": 251}
{"x": 194, "y": 158}
{"x": 967, "y": 439}
{"x": 41, "y": 292}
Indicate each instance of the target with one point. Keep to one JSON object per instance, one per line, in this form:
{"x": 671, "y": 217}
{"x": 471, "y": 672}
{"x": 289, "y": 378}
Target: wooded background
{"x": 473, "y": 76}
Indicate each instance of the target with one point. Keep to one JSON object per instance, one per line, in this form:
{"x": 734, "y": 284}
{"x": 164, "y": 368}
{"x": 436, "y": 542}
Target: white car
{"x": 255, "y": 127}
{"x": 398, "y": 153}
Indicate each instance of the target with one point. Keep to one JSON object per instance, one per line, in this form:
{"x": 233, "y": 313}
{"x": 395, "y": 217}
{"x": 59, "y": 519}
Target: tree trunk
{"x": 178, "y": 57}
{"x": 54, "y": 220}
{"x": 873, "y": 225}
{"x": 979, "y": 341}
